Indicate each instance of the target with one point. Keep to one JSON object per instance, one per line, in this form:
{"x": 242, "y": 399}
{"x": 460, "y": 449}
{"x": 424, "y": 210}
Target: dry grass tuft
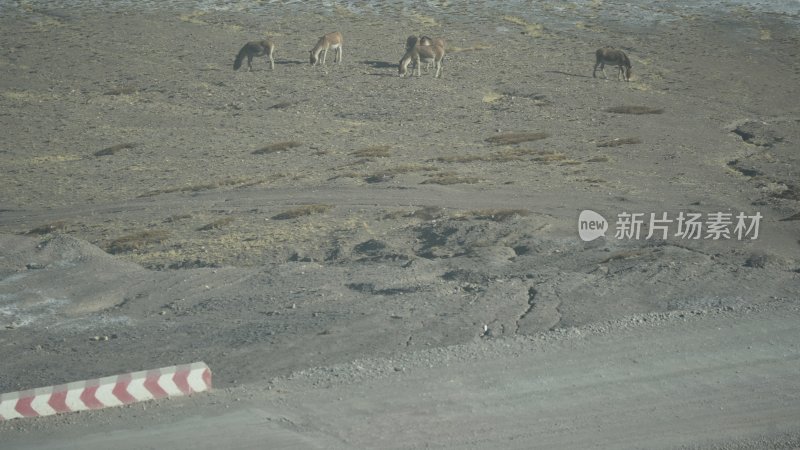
{"x": 496, "y": 215}
{"x": 620, "y": 141}
{"x": 548, "y": 156}
{"x": 746, "y": 171}
{"x": 448, "y": 178}
{"x": 409, "y": 168}
{"x": 532, "y": 29}
{"x": 217, "y": 224}
{"x": 375, "y": 151}
{"x": 461, "y": 158}
{"x": 391, "y": 172}
{"x": 634, "y": 110}
{"x": 49, "y": 228}
{"x": 237, "y": 182}
{"x": 625, "y": 254}
{"x": 795, "y": 216}
{"x": 300, "y": 211}
{"x": 402, "y": 169}
{"x": 379, "y": 177}
{"x": 471, "y": 48}
{"x": 136, "y": 241}
{"x": 491, "y": 97}
{"x": 350, "y": 174}
{"x": 515, "y": 138}
{"x": 792, "y": 193}
{"x": 122, "y": 90}
{"x": 286, "y": 104}
{"x": 108, "y": 151}
{"x": 386, "y": 174}
{"x": 515, "y": 154}
{"x": 427, "y": 213}
{"x": 277, "y": 147}
{"x": 177, "y": 217}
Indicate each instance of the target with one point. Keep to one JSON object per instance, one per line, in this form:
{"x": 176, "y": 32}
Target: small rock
{"x": 759, "y": 260}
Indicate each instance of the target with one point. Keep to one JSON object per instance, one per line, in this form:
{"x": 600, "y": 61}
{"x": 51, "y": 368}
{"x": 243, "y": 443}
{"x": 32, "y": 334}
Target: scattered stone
{"x": 757, "y": 133}
{"x": 757, "y": 260}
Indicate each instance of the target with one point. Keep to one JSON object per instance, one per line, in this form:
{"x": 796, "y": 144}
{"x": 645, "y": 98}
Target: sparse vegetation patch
{"x": 461, "y": 158}
{"x": 548, "y": 156}
{"x": 616, "y": 142}
{"x": 122, "y": 90}
{"x": 387, "y": 173}
{"x": 136, "y": 241}
{"x": 108, "y": 151}
{"x": 427, "y": 213}
{"x": 49, "y": 228}
{"x": 516, "y": 154}
{"x": 379, "y": 178}
{"x": 625, "y": 254}
{"x": 471, "y": 48}
{"x": 746, "y": 171}
{"x": 634, "y": 110}
{"x": 177, "y": 217}
{"x": 300, "y": 211}
{"x": 217, "y": 224}
{"x": 515, "y": 138}
{"x": 496, "y": 215}
{"x": 792, "y": 193}
{"x": 285, "y": 105}
{"x": 448, "y": 178}
{"x": 531, "y": 29}
{"x": 237, "y": 182}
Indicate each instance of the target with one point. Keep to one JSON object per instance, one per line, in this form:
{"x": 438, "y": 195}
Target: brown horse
{"x": 614, "y": 57}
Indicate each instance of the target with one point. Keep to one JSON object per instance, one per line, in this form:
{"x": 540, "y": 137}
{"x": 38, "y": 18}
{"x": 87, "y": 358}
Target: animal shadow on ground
{"x": 567, "y": 73}
{"x": 290, "y": 61}
{"x": 380, "y": 64}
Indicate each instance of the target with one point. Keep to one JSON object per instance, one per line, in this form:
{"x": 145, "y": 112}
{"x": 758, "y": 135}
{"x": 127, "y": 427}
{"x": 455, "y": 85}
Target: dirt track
{"x": 717, "y": 380}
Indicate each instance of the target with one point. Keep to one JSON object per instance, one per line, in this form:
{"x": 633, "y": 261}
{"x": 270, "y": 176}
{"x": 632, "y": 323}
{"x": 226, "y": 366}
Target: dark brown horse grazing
{"x": 614, "y": 57}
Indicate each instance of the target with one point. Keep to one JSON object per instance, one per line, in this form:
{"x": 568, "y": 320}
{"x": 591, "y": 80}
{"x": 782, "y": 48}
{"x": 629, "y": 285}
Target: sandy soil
{"x": 158, "y": 208}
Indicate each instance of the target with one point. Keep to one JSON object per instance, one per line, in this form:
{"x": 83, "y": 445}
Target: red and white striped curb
{"x": 105, "y": 392}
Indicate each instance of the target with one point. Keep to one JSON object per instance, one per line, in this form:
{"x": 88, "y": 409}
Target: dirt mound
{"x": 59, "y": 277}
